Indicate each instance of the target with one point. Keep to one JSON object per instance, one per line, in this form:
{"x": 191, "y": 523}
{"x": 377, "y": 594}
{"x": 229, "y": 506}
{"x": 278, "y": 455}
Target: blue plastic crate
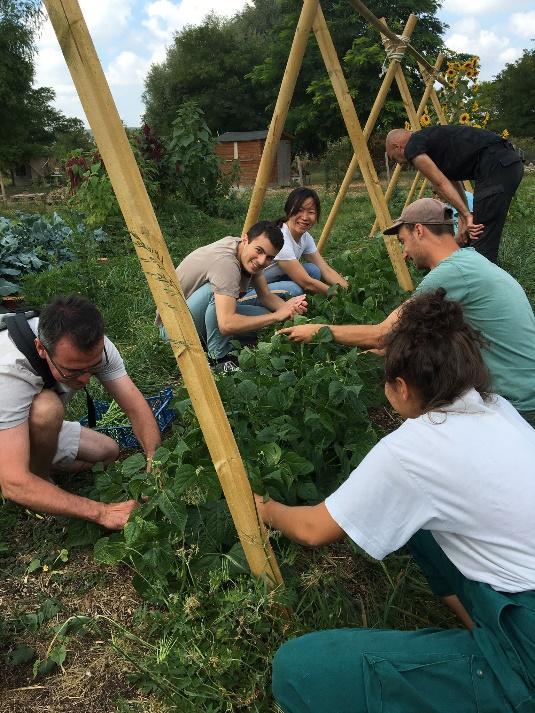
{"x": 124, "y": 435}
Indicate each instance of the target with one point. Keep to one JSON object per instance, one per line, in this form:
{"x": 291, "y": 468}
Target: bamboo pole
{"x": 94, "y": 93}
{"x": 428, "y": 79}
{"x": 295, "y": 60}
{"x": 360, "y": 146}
{"x": 385, "y": 30}
{"x": 370, "y": 124}
{"x": 412, "y": 189}
{"x": 422, "y": 188}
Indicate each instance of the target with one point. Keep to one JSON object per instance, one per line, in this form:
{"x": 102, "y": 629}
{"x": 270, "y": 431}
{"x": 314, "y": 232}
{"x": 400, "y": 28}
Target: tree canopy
{"x": 510, "y": 97}
{"x": 233, "y": 68}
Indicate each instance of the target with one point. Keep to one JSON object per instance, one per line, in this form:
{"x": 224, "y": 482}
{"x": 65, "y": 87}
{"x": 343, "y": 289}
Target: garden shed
{"x": 244, "y": 148}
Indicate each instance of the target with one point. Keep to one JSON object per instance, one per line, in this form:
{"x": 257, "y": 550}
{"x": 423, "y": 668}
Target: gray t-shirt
{"x": 19, "y": 383}
{"x": 218, "y": 264}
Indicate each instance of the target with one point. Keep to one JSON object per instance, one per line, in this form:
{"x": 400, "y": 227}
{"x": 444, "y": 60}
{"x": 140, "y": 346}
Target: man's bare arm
{"x": 139, "y": 413}
{"x": 369, "y": 336}
{"x": 230, "y": 322}
{"x": 448, "y": 190}
{"x": 23, "y": 487}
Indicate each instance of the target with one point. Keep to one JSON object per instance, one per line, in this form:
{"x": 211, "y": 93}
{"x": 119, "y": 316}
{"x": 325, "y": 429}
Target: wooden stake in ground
{"x": 156, "y": 263}
{"x": 295, "y": 60}
{"x": 370, "y": 124}
{"x": 360, "y": 147}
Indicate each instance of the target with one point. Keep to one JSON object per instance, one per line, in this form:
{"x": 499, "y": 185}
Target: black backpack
{"x": 24, "y": 339}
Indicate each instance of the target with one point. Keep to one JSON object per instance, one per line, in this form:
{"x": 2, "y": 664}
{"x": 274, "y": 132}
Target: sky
{"x": 131, "y": 35}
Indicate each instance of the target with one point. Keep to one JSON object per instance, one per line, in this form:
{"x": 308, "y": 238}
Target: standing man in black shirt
{"x": 448, "y": 155}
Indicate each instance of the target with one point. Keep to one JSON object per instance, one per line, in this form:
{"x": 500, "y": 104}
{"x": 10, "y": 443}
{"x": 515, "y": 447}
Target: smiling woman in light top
{"x": 301, "y": 212}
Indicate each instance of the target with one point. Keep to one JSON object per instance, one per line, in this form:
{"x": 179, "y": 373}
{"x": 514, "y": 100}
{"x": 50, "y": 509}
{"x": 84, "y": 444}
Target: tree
{"x": 209, "y": 64}
{"x": 29, "y": 124}
{"x": 314, "y": 116}
{"x": 510, "y": 98}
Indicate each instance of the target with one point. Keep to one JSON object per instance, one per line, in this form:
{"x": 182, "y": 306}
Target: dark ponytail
{"x": 435, "y": 351}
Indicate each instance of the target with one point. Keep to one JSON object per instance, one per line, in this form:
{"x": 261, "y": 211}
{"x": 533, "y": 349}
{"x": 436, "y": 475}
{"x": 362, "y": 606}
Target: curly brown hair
{"x": 435, "y": 351}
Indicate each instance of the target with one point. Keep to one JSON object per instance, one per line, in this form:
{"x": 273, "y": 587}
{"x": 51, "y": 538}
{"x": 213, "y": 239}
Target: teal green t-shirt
{"x": 496, "y": 305}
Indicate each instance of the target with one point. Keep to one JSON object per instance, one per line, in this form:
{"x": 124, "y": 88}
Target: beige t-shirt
{"x": 218, "y": 264}
{"x": 19, "y": 383}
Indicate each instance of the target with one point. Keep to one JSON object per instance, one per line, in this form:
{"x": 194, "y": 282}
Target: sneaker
{"x": 226, "y": 364}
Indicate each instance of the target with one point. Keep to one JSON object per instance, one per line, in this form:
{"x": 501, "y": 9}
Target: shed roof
{"x": 247, "y": 136}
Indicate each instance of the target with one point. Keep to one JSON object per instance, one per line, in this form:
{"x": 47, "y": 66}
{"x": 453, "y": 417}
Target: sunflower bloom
{"x": 425, "y": 120}
{"x": 475, "y": 106}
{"x": 408, "y": 127}
{"x": 464, "y": 118}
{"x": 505, "y": 134}
{"x": 450, "y": 73}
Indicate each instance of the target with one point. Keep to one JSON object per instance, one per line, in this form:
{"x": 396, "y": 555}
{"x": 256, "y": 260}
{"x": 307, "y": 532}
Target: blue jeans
{"x": 201, "y": 305}
{"x": 278, "y": 284}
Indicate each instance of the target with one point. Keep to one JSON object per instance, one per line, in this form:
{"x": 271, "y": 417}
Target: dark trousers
{"x": 499, "y": 174}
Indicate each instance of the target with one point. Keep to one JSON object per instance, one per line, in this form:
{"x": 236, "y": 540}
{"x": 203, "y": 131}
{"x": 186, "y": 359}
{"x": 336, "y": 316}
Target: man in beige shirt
{"x": 215, "y": 277}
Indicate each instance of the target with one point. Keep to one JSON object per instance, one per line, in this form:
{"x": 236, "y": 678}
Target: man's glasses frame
{"x": 75, "y": 373}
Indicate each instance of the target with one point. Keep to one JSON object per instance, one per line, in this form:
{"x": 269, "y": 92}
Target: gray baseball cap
{"x": 428, "y": 211}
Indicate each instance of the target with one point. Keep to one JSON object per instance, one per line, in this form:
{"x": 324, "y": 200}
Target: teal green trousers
{"x": 488, "y": 670}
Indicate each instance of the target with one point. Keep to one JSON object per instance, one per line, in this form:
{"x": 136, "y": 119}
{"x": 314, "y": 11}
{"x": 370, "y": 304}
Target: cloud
{"x": 523, "y": 24}
{"x": 493, "y": 49}
{"x": 165, "y": 18}
{"x": 478, "y": 7}
{"x": 127, "y": 69}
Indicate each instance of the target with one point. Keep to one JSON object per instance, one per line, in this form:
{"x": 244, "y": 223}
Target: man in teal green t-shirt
{"x": 493, "y": 302}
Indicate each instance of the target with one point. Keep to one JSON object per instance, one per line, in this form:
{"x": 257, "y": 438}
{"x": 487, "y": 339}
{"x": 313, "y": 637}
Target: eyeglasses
{"x": 75, "y": 373}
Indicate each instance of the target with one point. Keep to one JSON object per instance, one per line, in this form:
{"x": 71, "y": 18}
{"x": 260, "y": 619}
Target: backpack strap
{"x": 24, "y": 339}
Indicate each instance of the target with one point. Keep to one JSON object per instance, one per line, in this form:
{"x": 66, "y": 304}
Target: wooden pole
{"x": 412, "y": 189}
{"x": 385, "y": 30}
{"x": 156, "y": 263}
{"x": 370, "y": 124}
{"x": 422, "y": 188}
{"x": 295, "y": 59}
{"x": 428, "y": 79}
{"x": 360, "y": 146}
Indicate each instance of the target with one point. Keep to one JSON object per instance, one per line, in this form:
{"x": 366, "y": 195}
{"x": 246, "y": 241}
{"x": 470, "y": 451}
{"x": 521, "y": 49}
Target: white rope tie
{"x": 394, "y": 50}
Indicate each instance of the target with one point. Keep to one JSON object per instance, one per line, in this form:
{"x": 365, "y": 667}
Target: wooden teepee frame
{"x": 312, "y": 19}
{"x": 113, "y": 145}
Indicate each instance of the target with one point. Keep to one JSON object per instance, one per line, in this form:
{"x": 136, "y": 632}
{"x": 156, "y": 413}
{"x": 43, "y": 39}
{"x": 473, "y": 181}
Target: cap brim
{"x": 394, "y": 228}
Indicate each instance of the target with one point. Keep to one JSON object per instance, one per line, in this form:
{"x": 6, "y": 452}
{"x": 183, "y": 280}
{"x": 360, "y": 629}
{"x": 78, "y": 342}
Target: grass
{"x": 140, "y": 657}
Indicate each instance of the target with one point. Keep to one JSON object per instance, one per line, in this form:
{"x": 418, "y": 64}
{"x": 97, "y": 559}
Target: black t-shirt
{"x": 454, "y": 149}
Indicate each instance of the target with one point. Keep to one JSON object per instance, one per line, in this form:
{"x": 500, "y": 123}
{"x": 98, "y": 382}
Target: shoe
{"x": 224, "y": 365}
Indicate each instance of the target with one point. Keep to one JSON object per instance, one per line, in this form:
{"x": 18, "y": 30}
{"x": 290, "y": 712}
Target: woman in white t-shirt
{"x": 456, "y": 483}
{"x": 287, "y": 272}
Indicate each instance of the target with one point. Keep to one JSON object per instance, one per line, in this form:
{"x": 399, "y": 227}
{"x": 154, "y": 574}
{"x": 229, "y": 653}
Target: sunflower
{"x": 450, "y": 73}
{"x": 469, "y": 72}
{"x": 505, "y": 134}
{"x": 475, "y": 106}
{"x": 425, "y": 120}
{"x": 408, "y": 127}
{"x": 452, "y": 83}
{"x": 464, "y": 118}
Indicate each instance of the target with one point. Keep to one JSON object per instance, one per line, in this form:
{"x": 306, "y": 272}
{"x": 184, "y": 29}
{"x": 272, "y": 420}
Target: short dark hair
{"x": 73, "y": 316}
{"x": 295, "y": 201}
{"x": 435, "y": 228}
{"x": 270, "y": 230}
{"x": 435, "y": 351}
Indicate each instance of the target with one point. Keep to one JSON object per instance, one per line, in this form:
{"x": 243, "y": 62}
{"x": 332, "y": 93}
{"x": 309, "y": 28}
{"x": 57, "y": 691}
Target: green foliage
{"x": 511, "y": 97}
{"x": 29, "y": 243}
{"x": 335, "y": 162}
{"x": 192, "y": 161}
{"x": 95, "y": 197}
{"x": 208, "y": 63}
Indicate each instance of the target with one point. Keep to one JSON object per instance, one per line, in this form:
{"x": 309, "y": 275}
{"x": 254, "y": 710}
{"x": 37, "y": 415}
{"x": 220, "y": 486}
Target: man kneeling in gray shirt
{"x": 214, "y": 279}
{"x": 35, "y": 439}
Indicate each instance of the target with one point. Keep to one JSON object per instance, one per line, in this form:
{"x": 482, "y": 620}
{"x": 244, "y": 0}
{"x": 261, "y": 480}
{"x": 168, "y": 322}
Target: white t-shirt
{"x": 291, "y": 250}
{"x": 19, "y": 383}
{"x": 467, "y": 475}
